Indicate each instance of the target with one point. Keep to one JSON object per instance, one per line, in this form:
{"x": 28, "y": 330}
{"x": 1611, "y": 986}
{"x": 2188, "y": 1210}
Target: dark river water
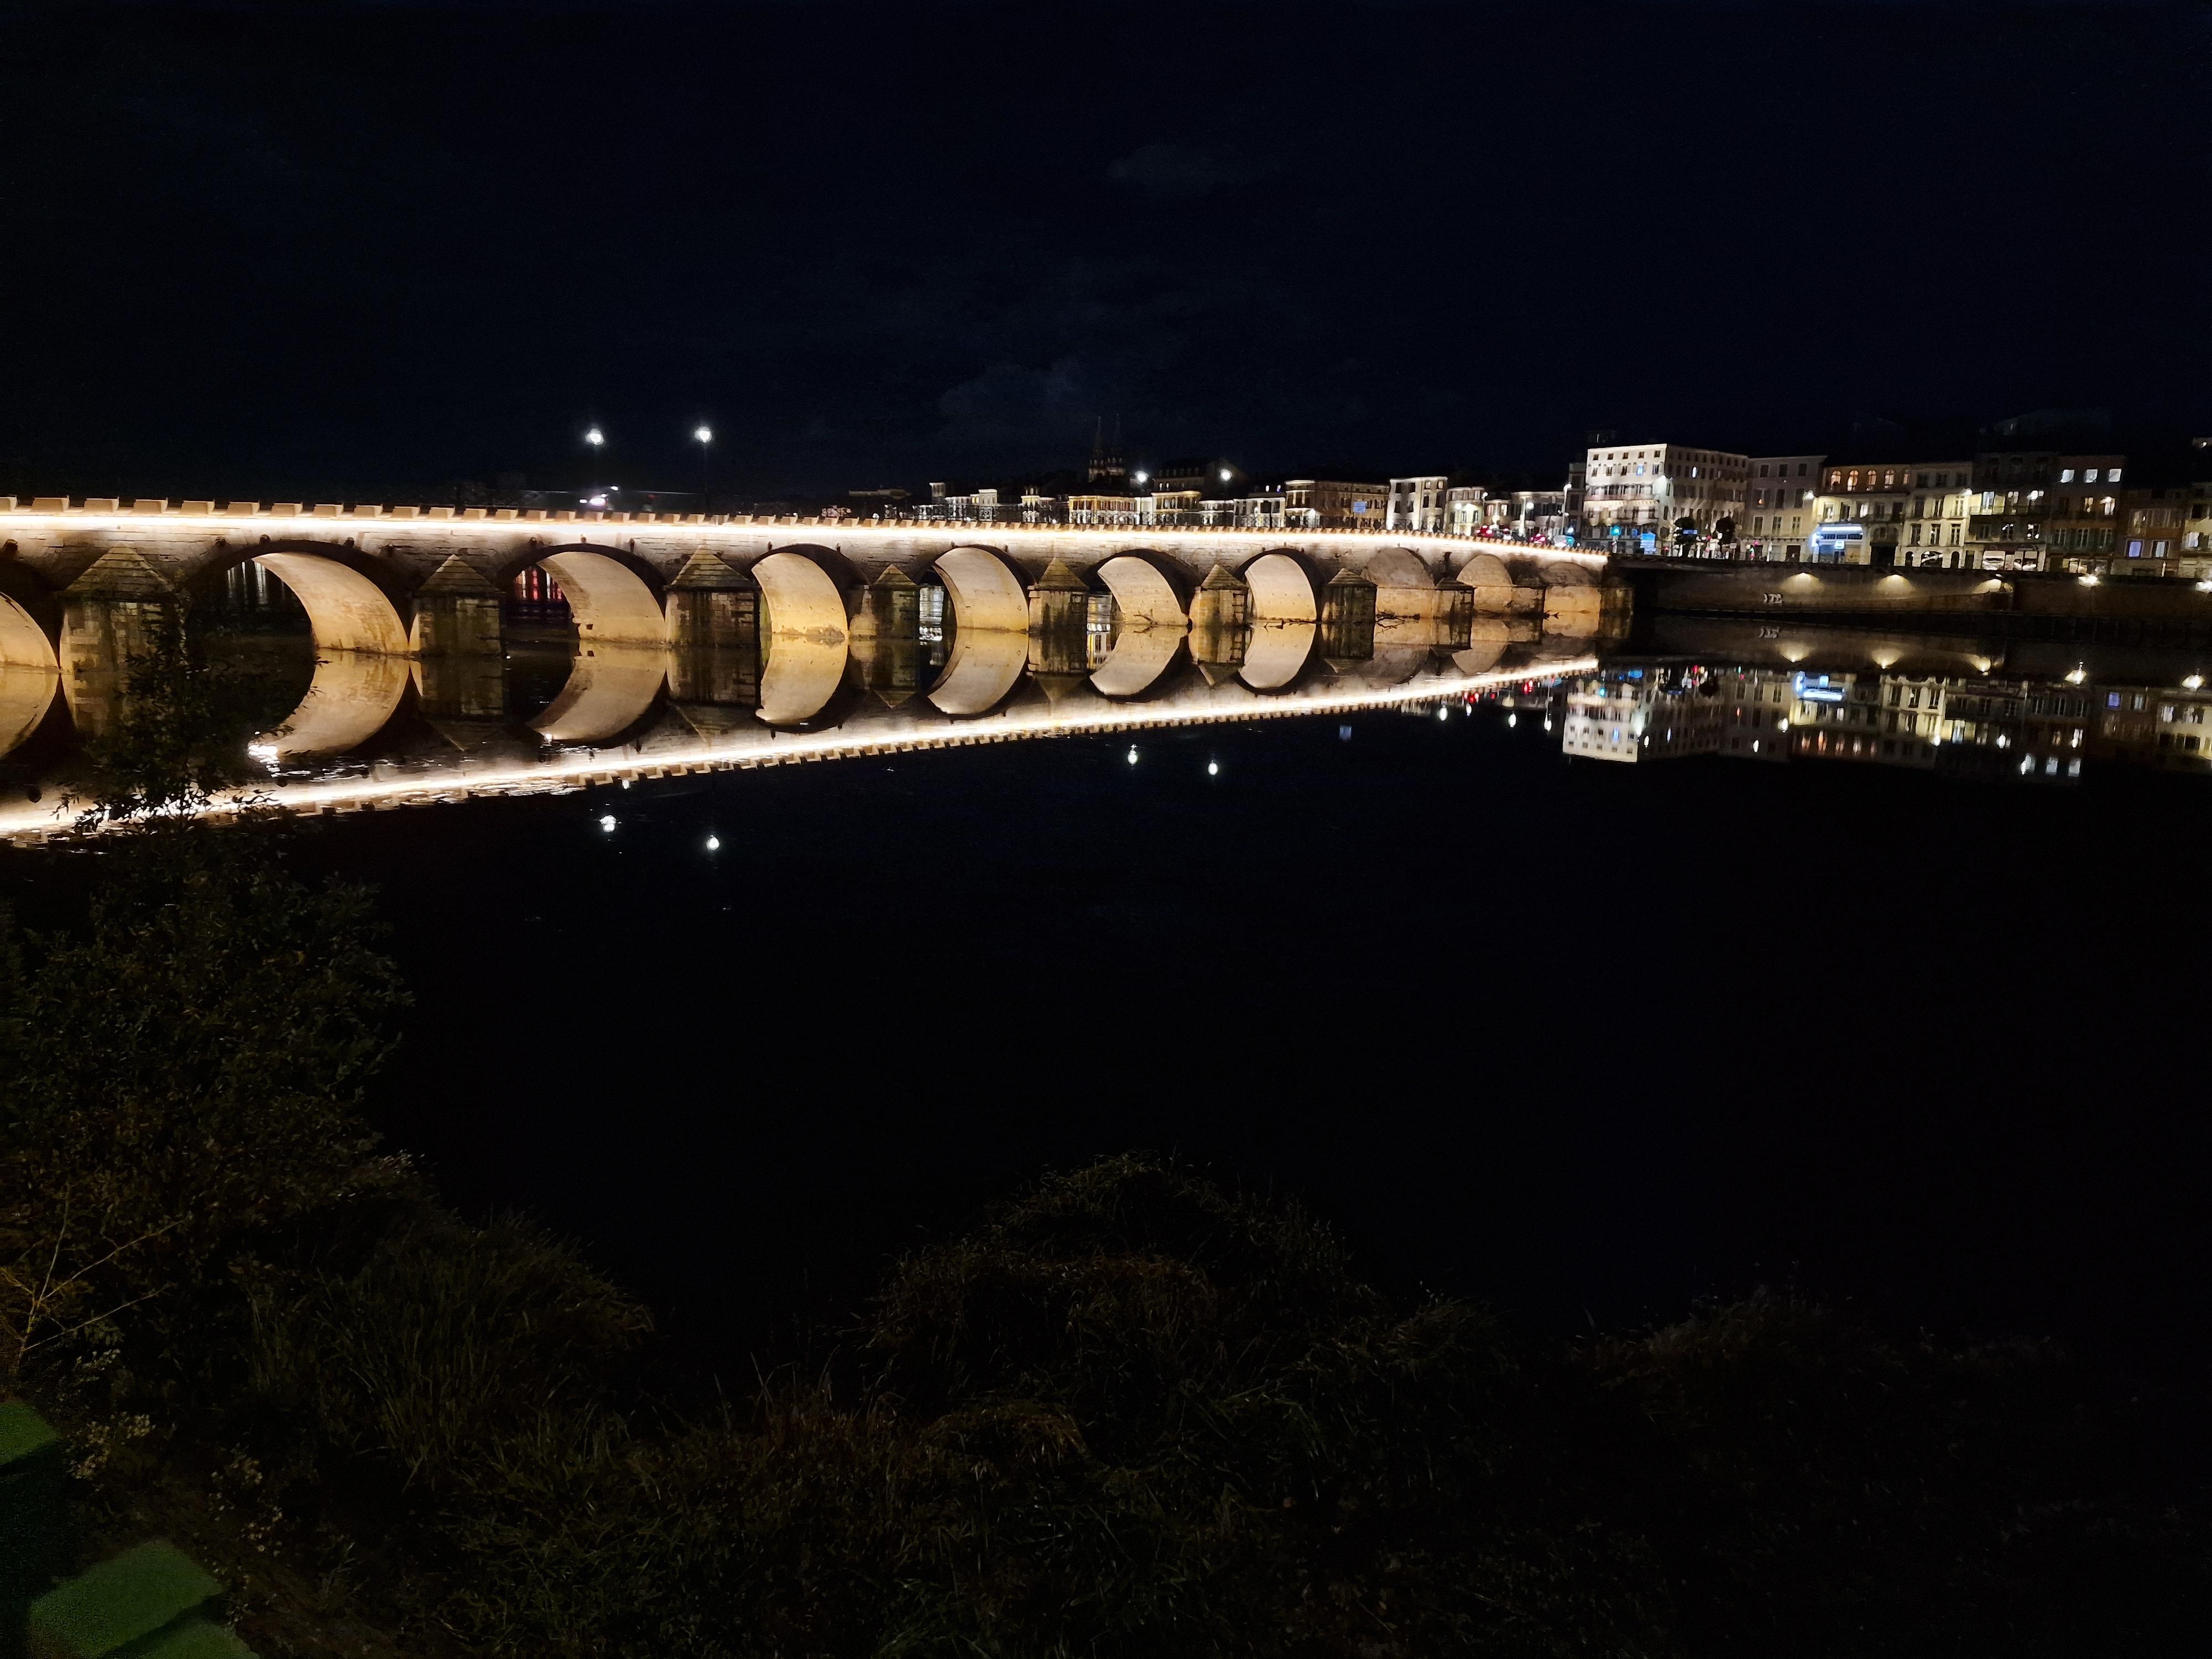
{"x": 1535, "y": 1011}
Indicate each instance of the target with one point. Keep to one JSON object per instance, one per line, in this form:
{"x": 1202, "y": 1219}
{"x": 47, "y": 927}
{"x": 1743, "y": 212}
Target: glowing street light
{"x": 595, "y": 438}
{"x": 1142, "y": 478}
{"x": 703, "y": 435}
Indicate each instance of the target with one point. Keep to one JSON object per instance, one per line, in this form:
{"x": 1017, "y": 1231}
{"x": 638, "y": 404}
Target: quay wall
{"x": 2008, "y": 602}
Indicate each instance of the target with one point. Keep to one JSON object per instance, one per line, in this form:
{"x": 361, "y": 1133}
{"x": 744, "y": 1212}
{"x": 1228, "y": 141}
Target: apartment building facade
{"x": 1779, "y": 492}
{"x": 1636, "y": 495}
{"x": 1417, "y": 504}
{"x": 2043, "y": 510}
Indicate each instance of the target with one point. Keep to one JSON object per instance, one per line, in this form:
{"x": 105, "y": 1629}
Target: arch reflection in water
{"x": 353, "y": 694}
{"x": 610, "y": 690}
{"x": 803, "y": 638}
{"x": 990, "y": 632}
{"x": 30, "y": 674}
{"x": 1139, "y": 656}
{"x": 799, "y": 673}
{"x": 986, "y": 664}
{"x": 1277, "y": 654}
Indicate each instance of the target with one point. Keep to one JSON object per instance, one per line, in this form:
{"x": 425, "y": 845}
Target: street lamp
{"x": 595, "y": 438}
{"x": 703, "y": 435}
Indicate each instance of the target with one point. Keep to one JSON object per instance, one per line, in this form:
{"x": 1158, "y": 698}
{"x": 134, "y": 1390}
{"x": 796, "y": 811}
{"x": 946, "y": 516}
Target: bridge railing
{"x": 920, "y": 516}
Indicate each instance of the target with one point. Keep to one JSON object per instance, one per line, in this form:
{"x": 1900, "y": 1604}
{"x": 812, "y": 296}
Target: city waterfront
{"x": 888, "y": 831}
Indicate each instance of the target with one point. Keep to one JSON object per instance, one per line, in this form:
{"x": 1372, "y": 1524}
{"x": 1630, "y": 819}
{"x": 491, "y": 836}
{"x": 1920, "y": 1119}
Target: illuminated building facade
{"x": 1418, "y": 503}
{"x": 2042, "y": 510}
{"x": 2197, "y": 531}
{"x": 1859, "y": 514}
{"x": 2152, "y": 525}
{"x": 1936, "y": 522}
{"x": 1335, "y": 504}
{"x": 1779, "y": 492}
{"x": 1635, "y": 495}
{"x": 1468, "y": 507}
{"x": 1539, "y": 515}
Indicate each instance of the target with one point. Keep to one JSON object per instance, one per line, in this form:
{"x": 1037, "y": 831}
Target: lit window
{"x": 2066, "y": 475}
{"x": 2090, "y": 476}
{"x": 2113, "y": 477}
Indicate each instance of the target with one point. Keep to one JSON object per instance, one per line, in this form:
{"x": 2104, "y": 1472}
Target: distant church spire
{"x": 1107, "y": 464}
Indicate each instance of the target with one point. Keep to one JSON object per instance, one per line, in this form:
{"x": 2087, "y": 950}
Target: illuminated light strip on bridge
{"x": 32, "y": 823}
{"x": 961, "y": 530}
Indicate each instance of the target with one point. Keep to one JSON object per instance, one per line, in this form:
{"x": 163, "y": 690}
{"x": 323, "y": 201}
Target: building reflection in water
{"x": 1998, "y": 710}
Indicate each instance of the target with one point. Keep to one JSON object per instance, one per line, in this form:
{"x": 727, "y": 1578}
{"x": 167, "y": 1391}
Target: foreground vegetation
{"x": 1127, "y": 1413}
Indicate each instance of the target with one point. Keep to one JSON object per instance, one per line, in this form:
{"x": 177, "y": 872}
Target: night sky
{"x": 354, "y": 248}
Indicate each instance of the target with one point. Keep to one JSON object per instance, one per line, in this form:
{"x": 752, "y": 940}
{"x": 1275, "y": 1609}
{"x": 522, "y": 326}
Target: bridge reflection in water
{"x": 521, "y": 703}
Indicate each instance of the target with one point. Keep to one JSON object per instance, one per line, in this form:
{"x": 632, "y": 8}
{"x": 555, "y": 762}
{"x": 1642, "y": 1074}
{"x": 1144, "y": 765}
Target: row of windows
{"x": 1888, "y": 477}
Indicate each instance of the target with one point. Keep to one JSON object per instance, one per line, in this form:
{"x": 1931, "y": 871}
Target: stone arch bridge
{"x": 385, "y": 588}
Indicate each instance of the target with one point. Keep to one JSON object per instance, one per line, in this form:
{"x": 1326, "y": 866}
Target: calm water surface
{"x": 1537, "y": 1010}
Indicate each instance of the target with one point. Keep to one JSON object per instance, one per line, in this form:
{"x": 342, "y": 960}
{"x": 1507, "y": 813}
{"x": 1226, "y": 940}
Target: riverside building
{"x": 1779, "y": 493}
{"x": 1635, "y": 496}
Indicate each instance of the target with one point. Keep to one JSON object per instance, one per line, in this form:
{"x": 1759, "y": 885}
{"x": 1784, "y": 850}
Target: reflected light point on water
{"x": 1214, "y": 768}
{"x": 607, "y": 823}
{"x": 714, "y": 843}
{"x": 1133, "y": 754}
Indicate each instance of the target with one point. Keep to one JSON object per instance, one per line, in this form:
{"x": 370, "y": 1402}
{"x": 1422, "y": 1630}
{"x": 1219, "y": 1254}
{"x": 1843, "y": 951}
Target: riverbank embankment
{"x": 2010, "y": 603}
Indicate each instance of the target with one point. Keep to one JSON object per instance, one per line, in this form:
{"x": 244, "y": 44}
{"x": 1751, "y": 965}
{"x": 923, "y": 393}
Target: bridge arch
{"x": 803, "y": 637}
{"x": 30, "y": 674}
{"x": 986, "y": 592}
{"x": 1142, "y": 591}
{"x": 607, "y": 590}
{"x": 360, "y": 645}
{"x": 1284, "y": 610}
{"x": 350, "y": 602}
{"x": 1282, "y": 591}
{"x": 799, "y": 597}
{"x": 1405, "y": 586}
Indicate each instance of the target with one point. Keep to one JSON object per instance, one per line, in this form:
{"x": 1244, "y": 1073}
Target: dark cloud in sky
{"x": 249, "y": 247}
